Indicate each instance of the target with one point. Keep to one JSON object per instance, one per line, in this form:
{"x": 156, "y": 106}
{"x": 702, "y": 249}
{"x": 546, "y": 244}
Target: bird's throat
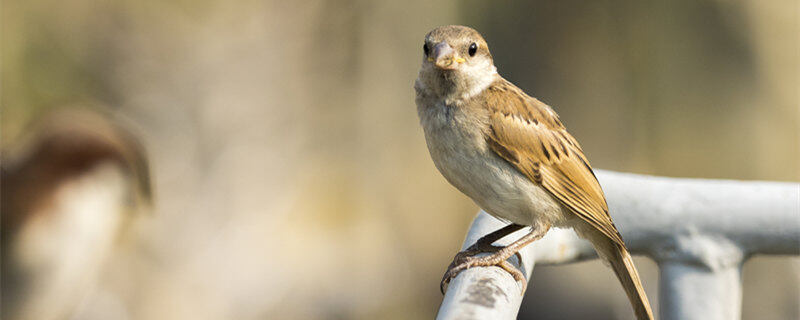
{"x": 458, "y": 87}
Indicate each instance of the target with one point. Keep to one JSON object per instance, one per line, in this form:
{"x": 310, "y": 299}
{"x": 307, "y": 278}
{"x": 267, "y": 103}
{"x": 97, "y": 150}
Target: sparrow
{"x": 510, "y": 154}
{"x": 69, "y": 191}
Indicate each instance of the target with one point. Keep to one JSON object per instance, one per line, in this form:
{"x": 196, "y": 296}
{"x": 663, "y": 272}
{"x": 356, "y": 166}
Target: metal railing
{"x": 698, "y": 231}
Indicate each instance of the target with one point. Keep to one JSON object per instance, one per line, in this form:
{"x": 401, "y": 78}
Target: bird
{"x": 511, "y": 154}
{"x": 70, "y": 188}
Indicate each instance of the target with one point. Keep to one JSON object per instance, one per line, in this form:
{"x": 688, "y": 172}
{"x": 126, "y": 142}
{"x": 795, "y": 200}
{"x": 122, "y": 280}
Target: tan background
{"x": 291, "y": 176}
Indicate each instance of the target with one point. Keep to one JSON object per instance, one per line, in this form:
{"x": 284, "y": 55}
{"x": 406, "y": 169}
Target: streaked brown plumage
{"x": 528, "y": 134}
{"x": 511, "y": 154}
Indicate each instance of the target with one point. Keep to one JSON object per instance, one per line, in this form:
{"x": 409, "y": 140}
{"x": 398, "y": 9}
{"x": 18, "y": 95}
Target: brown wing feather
{"x": 528, "y": 134}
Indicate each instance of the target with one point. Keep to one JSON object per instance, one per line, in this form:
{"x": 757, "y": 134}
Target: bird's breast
{"x": 456, "y": 140}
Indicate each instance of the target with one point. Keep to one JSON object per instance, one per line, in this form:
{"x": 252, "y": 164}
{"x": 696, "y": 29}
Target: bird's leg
{"x": 484, "y": 244}
{"x": 468, "y": 259}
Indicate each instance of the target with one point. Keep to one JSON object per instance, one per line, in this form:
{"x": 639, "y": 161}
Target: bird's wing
{"x": 528, "y": 134}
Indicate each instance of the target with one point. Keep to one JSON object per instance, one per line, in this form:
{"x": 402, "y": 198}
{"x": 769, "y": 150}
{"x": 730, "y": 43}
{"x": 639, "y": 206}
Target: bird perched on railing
{"x": 511, "y": 154}
{"x": 68, "y": 190}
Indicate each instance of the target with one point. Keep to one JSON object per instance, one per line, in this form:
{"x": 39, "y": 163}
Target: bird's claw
{"x": 467, "y": 259}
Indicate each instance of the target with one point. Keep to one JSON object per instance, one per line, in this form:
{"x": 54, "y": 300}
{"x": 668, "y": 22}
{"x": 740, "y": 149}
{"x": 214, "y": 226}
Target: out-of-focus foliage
{"x": 290, "y": 172}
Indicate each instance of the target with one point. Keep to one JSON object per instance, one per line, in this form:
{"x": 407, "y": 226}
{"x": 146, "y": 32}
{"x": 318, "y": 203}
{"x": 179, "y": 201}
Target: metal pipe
{"x": 699, "y": 231}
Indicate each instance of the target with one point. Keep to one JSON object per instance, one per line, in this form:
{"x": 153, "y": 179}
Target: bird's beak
{"x": 444, "y": 57}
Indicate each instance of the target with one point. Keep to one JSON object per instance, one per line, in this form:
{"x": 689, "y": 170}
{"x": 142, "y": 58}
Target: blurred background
{"x": 290, "y": 177}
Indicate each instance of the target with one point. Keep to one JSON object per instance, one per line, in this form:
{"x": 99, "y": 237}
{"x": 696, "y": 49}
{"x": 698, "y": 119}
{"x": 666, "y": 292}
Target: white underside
{"x": 63, "y": 247}
{"x": 461, "y": 154}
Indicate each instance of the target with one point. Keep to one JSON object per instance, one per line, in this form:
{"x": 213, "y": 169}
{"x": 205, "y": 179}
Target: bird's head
{"x": 456, "y": 63}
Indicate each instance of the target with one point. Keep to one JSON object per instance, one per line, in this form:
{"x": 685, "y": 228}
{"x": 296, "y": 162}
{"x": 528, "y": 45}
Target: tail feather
{"x": 622, "y": 263}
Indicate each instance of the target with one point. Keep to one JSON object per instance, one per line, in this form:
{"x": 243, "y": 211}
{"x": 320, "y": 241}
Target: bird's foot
{"x": 468, "y": 258}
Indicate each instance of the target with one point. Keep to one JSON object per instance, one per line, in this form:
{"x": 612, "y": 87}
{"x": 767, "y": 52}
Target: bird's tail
{"x": 622, "y": 263}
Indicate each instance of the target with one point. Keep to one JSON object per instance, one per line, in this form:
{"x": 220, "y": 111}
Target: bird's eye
{"x": 472, "y": 49}
{"x": 425, "y": 49}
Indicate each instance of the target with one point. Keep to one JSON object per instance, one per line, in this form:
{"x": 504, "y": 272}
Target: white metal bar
{"x": 689, "y": 292}
{"x": 485, "y": 293}
{"x": 699, "y": 231}
{"x": 491, "y": 292}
